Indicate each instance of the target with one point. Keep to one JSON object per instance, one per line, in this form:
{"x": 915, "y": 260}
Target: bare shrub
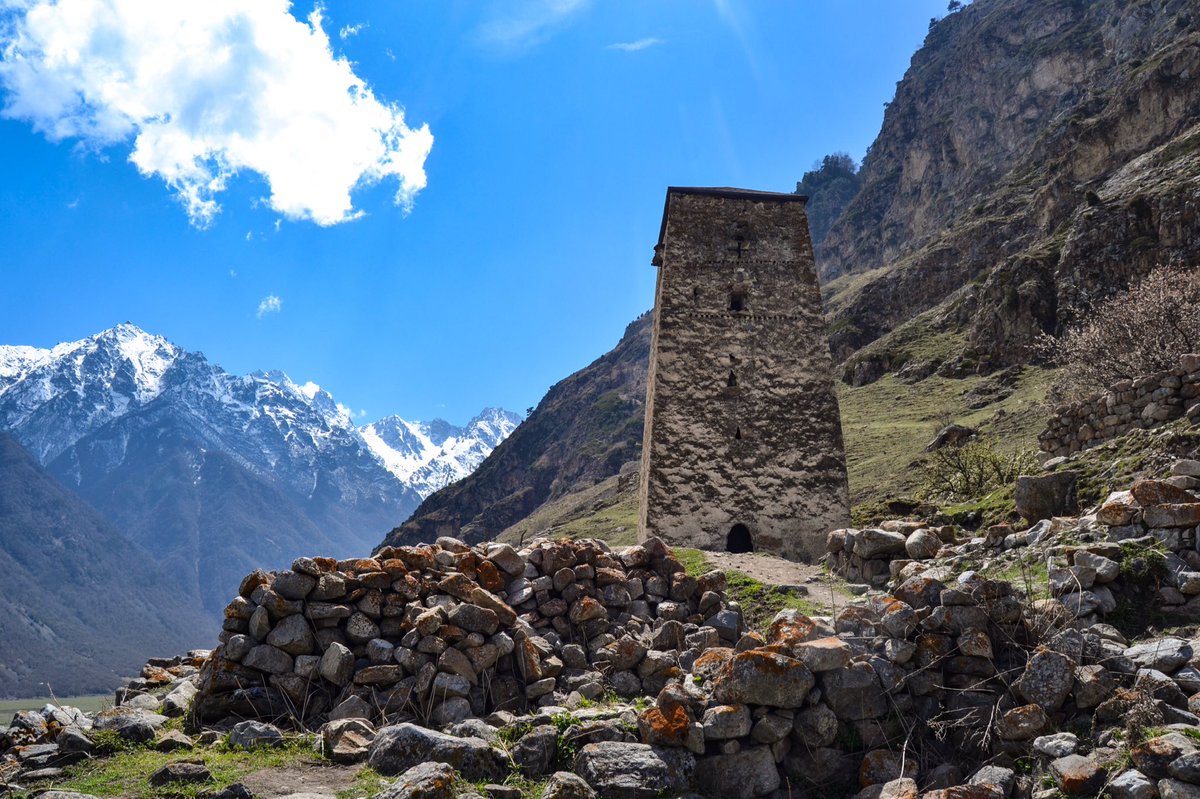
{"x": 1138, "y": 332}
{"x": 972, "y": 469}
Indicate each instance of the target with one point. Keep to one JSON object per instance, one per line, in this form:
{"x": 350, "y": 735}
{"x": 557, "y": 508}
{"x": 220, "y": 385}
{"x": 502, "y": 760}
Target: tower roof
{"x": 722, "y": 191}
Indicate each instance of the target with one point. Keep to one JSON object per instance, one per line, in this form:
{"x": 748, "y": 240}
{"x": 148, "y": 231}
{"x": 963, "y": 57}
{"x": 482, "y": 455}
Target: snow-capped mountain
{"x": 428, "y": 456}
{"x": 219, "y": 473}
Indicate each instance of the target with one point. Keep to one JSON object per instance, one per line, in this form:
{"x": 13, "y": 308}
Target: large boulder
{"x": 875, "y": 543}
{"x": 347, "y": 740}
{"x": 1159, "y": 492}
{"x": 635, "y": 771}
{"x": 1165, "y": 654}
{"x": 534, "y": 753}
{"x": 758, "y": 677}
{"x": 1047, "y": 680}
{"x": 854, "y": 693}
{"x": 922, "y": 544}
{"x": 565, "y": 785}
{"x": 398, "y": 748}
{"x": 423, "y": 781}
{"x": 249, "y": 734}
{"x": 1046, "y": 496}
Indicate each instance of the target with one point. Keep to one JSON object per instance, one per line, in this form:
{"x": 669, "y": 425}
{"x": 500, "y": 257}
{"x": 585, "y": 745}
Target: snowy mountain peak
{"x": 16, "y": 360}
{"x": 430, "y": 455}
{"x": 150, "y": 356}
{"x": 50, "y": 399}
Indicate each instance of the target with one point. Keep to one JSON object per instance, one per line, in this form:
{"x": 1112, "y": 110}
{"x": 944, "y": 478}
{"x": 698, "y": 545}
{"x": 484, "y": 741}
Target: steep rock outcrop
{"x": 1044, "y": 150}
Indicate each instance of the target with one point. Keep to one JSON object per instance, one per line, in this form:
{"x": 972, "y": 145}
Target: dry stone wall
{"x": 1143, "y": 403}
{"x": 446, "y": 632}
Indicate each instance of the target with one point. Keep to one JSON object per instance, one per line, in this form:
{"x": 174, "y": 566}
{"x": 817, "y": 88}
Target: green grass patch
{"x": 994, "y": 508}
{"x": 126, "y": 772}
{"x": 1115, "y": 464}
{"x": 760, "y": 602}
{"x": 530, "y": 789}
{"x": 367, "y": 783}
{"x": 693, "y": 560}
{"x": 887, "y": 424}
{"x": 607, "y": 511}
{"x": 1032, "y": 578}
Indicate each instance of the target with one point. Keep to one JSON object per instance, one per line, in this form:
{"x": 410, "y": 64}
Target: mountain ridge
{"x": 1019, "y": 170}
{"x": 213, "y": 472}
{"x": 582, "y": 432}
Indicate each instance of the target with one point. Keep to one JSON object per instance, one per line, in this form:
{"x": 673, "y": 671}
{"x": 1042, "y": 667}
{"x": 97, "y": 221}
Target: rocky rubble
{"x": 38, "y": 745}
{"x": 976, "y": 665}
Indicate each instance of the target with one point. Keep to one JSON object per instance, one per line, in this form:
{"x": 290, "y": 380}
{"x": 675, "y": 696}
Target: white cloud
{"x": 206, "y": 89}
{"x": 309, "y": 389}
{"x": 633, "y": 47}
{"x": 269, "y": 304}
{"x": 520, "y": 25}
{"x": 351, "y": 30}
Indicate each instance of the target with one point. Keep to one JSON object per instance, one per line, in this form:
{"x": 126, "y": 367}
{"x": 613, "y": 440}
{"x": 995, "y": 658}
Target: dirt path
{"x": 826, "y": 591}
{"x": 310, "y": 781}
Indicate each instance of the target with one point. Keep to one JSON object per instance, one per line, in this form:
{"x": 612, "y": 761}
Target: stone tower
{"x": 743, "y": 440}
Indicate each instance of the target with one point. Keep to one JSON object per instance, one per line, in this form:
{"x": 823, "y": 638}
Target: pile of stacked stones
{"x": 445, "y": 632}
{"x": 874, "y": 556}
{"x": 1129, "y": 405}
{"x": 1167, "y": 513}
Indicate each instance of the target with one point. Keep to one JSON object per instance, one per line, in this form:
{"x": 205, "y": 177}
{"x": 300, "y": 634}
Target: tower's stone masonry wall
{"x": 742, "y": 423}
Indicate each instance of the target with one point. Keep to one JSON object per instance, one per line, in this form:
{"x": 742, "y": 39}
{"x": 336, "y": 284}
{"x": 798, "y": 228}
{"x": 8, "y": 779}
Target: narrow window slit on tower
{"x": 739, "y": 540}
{"x": 737, "y": 301}
{"x": 732, "y": 381}
{"x": 737, "y": 434}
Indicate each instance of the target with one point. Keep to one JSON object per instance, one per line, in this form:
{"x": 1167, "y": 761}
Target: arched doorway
{"x": 739, "y": 539}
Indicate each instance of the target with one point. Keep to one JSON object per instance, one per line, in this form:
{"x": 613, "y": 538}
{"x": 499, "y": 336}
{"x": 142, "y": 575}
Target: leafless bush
{"x": 970, "y": 470}
{"x": 1138, "y": 332}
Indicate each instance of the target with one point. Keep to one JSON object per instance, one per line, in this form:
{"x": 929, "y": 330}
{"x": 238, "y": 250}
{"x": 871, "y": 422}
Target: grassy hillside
{"x": 887, "y": 424}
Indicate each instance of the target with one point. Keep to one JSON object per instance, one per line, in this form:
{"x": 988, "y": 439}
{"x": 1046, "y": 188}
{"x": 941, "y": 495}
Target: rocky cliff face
{"x": 584, "y": 429}
{"x": 1037, "y": 155}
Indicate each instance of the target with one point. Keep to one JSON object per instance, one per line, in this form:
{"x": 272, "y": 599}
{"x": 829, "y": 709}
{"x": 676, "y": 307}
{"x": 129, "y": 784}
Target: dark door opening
{"x": 739, "y": 540}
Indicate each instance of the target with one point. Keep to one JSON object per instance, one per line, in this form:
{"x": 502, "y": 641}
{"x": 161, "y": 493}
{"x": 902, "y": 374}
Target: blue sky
{"x": 556, "y": 126}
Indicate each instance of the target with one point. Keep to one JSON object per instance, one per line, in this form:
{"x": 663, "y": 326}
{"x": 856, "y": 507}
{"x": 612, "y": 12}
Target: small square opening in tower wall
{"x": 782, "y": 489}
